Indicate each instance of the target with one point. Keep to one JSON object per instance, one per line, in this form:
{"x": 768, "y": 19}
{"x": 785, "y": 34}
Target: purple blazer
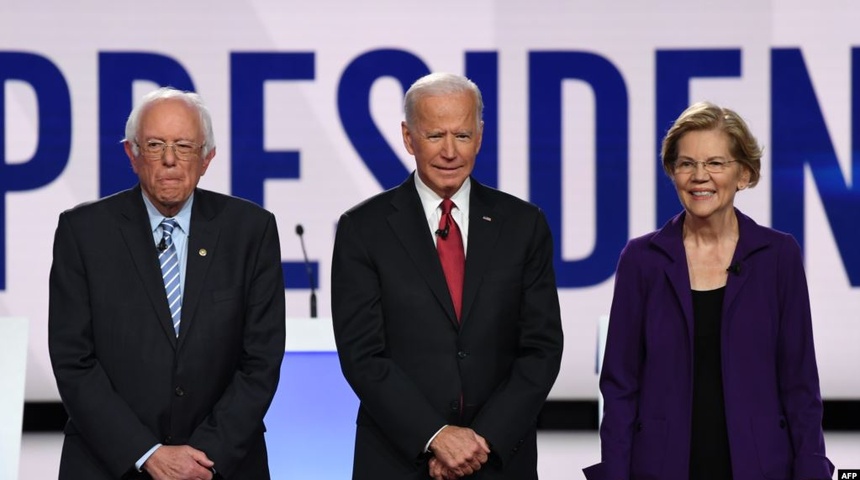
{"x": 770, "y": 378}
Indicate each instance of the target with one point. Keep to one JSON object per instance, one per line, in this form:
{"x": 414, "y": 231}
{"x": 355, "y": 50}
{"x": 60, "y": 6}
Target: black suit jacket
{"x": 403, "y": 351}
{"x": 126, "y": 381}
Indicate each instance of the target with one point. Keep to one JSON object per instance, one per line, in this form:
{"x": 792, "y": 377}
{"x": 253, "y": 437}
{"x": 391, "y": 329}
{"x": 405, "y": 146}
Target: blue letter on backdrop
{"x": 483, "y": 69}
{"x": 800, "y": 139}
{"x": 675, "y": 69}
{"x": 117, "y": 74}
{"x": 353, "y": 102}
{"x": 54, "y": 137}
{"x": 252, "y": 164}
{"x": 547, "y": 71}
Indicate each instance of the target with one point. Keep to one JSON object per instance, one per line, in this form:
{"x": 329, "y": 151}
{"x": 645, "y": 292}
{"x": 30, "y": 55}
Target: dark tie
{"x": 449, "y": 244}
{"x": 170, "y": 272}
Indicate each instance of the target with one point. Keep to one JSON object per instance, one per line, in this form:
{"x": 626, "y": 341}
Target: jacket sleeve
{"x": 513, "y": 408}
{"x": 98, "y": 413}
{"x": 225, "y": 434}
{"x": 620, "y": 375}
{"x": 386, "y": 393}
{"x": 797, "y": 369}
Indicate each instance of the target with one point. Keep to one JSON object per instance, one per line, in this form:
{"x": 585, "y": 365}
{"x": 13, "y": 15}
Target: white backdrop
{"x": 309, "y": 116}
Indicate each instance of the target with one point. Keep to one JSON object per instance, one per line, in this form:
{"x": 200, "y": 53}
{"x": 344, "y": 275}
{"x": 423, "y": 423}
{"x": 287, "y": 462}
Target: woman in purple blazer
{"x": 709, "y": 370}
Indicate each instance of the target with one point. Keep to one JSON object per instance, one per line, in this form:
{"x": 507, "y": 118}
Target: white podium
{"x": 13, "y": 368}
{"x": 309, "y": 335}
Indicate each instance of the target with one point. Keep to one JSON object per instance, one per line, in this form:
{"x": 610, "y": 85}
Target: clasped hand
{"x": 457, "y": 452}
{"x": 179, "y": 462}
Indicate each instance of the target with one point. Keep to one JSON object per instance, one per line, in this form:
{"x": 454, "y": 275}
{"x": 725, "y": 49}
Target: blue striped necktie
{"x": 169, "y": 261}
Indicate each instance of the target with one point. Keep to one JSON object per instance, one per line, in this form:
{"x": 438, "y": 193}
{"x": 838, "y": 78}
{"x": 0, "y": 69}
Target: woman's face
{"x": 706, "y": 176}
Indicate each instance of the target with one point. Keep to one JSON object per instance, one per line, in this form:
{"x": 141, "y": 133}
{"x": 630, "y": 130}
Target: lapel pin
{"x": 202, "y": 252}
{"x": 487, "y": 219}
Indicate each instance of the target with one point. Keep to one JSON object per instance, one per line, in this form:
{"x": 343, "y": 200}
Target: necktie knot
{"x": 447, "y": 206}
{"x": 167, "y": 226}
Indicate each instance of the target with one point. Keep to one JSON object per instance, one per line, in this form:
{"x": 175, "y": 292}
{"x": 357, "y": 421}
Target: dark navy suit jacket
{"x": 412, "y": 365}
{"x": 126, "y": 380}
{"x": 770, "y": 378}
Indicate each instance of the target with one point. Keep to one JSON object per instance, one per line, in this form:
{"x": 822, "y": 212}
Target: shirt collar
{"x": 183, "y": 218}
{"x": 430, "y": 200}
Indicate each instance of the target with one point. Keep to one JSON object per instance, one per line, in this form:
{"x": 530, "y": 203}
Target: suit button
{"x": 782, "y": 424}
{"x": 639, "y": 427}
{"x": 455, "y": 406}
{"x": 461, "y": 355}
{"x": 179, "y": 391}
{"x": 167, "y": 440}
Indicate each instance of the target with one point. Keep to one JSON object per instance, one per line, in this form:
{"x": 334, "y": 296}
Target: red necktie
{"x": 449, "y": 244}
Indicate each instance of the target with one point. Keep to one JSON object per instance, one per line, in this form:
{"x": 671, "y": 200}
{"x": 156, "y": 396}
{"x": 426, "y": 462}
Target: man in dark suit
{"x": 451, "y": 357}
{"x": 166, "y": 321}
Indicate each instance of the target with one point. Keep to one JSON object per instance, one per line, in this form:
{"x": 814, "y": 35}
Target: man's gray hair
{"x": 440, "y": 84}
{"x": 192, "y": 99}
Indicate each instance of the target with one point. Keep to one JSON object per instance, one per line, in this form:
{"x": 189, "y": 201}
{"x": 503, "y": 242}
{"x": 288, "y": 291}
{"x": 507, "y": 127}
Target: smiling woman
{"x": 711, "y": 316}
{"x": 706, "y": 177}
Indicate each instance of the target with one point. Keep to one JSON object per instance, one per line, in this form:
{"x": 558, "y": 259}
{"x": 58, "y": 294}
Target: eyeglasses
{"x": 711, "y": 166}
{"x": 154, "y": 149}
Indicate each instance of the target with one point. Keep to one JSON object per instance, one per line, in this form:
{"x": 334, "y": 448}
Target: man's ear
{"x": 407, "y": 137}
{"x": 129, "y": 152}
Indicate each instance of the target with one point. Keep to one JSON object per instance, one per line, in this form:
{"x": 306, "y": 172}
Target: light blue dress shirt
{"x": 180, "y": 242}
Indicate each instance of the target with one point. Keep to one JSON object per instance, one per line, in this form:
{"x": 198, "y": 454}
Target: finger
{"x": 483, "y": 442}
{"x": 442, "y": 474}
{"x": 436, "y": 469}
{"x": 201, "y": 458}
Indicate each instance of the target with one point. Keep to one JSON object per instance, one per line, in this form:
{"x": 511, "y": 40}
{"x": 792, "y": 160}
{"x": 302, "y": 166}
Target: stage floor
{"x": 561, "y": 454}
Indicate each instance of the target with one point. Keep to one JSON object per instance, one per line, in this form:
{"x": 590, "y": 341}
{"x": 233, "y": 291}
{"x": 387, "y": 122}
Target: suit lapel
{"x": 138, "y": 239}
{"x": 749, "y": 241}
{"x": 202, "y": 243}
{"x": 484, "y": 227}
{"x": 670, "y": 240}
{"x": 409, "y": 225}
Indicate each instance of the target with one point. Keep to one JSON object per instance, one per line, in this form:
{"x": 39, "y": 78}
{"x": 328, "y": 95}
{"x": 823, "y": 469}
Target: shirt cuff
{"x": 139, "y": 464}
{"x": 427, "y": 446}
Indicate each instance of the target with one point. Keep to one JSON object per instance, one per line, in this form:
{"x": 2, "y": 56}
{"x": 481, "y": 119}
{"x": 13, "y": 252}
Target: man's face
{"x": 444, "y": 140}
{"x": 166, "y": 179}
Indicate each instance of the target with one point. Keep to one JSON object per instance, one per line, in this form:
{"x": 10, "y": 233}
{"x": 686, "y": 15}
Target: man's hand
{"x": 439, "y": 472}
{"x": 460, "y": 450}
{"x": 179, "y": 462}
